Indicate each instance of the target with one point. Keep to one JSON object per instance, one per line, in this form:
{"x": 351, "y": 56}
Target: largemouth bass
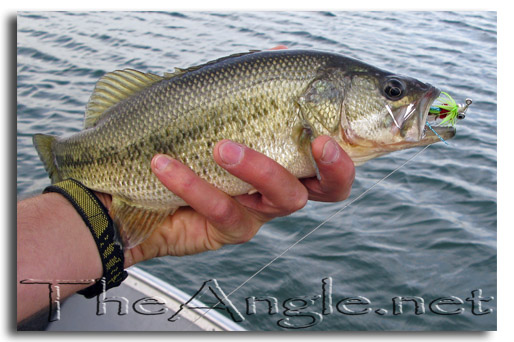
{"x": 275, "y": 102}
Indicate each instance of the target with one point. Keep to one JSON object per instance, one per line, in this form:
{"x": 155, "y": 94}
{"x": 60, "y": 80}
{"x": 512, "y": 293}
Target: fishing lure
{"x": 448, "y": 110}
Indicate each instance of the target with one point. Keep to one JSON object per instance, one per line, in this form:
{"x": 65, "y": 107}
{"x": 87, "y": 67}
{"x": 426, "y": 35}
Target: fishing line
{"x": 437, "y": 134}
{"x": 309, "y": 233}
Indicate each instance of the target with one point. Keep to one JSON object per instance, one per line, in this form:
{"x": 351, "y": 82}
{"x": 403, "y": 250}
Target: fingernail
{"x": 231, "y": 153}
{"x": 161, "y": 162}
{"x": 330, "y": 152}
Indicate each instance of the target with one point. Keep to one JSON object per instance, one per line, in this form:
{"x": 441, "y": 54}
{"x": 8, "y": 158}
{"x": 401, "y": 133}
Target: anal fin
{"x": 136, "y": 224}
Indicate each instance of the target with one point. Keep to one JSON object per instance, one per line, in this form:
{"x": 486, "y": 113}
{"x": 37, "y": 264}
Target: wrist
{"x": 92, "y": 209}
{"x": 106, "y": 200}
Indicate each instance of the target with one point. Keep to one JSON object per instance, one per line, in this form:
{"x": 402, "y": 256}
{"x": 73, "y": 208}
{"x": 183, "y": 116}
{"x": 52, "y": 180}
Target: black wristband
{"x": 97, "y": 218}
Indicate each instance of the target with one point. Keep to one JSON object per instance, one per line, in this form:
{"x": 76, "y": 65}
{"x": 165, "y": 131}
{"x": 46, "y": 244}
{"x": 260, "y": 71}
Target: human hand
{"x": 214, "y": 218}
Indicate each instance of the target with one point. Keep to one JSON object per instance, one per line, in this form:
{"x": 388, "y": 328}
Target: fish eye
{"x": 394, "y": 89}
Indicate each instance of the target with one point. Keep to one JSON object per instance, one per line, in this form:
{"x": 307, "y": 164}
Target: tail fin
{"x": 43, "y": 144}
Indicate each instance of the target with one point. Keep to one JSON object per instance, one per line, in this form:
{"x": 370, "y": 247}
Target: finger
{"x": 282, "y": 193}
{"x": 279, "y": 47}
{"x": 215, "y": 205}
{"x": 336, "y": 169}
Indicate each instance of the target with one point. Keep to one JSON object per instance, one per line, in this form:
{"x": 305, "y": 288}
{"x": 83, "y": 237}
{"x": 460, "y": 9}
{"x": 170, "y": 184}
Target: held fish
{"x": 275, "y": 102}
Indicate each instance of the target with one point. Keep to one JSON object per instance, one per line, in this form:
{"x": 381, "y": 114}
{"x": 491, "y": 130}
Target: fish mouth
{"x": 426, "y": 130}
{"x": 431, "y": 131}
{"x": 413, "y": 125}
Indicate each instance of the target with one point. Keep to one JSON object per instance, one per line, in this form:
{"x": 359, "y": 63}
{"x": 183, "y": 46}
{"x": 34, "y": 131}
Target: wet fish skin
{"x": 275, "y": 102}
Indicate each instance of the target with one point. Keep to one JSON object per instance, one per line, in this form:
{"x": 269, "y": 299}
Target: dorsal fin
{"x": 114, "y": 87}
{"x": 118, "y": 85}
{"x": 181, "y": 71}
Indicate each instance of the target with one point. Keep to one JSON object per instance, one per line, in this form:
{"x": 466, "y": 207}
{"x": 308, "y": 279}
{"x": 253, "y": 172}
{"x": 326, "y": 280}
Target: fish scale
{"x": 275, "y": 102}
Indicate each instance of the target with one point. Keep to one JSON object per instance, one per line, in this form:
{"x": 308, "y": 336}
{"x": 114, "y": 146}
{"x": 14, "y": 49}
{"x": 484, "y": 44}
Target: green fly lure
{"x": 447, "y": 109}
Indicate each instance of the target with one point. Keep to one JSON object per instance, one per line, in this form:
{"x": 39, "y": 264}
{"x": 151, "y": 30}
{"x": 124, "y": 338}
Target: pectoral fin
{"x": 134, "y": 223}
{"x": 306, "y": 136}
{"x": 319, "y": 111}
{"x": 306, "y": 139}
